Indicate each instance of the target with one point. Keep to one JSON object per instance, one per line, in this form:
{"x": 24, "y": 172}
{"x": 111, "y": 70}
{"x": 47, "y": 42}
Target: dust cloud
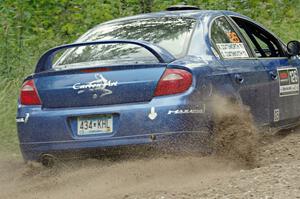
{"x": 235, "y": 135}
{"x": 241, "y": 164}
{"x": 94, "y": 178}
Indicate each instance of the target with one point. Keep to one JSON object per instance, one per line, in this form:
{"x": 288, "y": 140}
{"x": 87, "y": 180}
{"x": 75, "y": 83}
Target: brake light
{"x": 94, "y": 70}
{"x": 29, "y": 94}
{"x": 173, "y": 81}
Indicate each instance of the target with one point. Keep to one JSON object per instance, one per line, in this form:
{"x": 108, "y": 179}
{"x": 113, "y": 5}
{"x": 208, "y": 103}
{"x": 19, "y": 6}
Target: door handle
{"x": 273, "y": 75}
{"x": 239, "y": 78}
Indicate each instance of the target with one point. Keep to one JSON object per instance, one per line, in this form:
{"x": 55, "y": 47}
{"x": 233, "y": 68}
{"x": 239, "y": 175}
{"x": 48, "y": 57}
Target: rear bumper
{"x": 45, "y": 131}
{"x": 33, "y": 151}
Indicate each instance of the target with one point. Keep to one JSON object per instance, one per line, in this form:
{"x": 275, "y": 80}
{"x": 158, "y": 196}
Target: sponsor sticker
{"x": 152, "y": 115}
{"x": 100, "y": 84}
{"x": 232, "y": 50}
{"x": 288, "y": 81}
{"x": 187, "y": 111}
{"x": 23, "y": 119}
{"x": 276, "y": 115}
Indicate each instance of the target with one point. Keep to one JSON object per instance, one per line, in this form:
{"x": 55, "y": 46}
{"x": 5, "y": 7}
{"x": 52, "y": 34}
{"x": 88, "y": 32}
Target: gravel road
{"x": 245, "y": 163}
{"x": 276, "y": 175}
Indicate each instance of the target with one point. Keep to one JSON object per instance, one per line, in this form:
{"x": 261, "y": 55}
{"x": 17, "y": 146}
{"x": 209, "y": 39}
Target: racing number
{"x": 288, "y": 82}
{"x": 294, "y": 76}
{"x": 233, "y": 37}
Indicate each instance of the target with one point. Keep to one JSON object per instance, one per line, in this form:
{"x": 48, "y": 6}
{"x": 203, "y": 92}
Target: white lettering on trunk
{"x": 100, "y": 84}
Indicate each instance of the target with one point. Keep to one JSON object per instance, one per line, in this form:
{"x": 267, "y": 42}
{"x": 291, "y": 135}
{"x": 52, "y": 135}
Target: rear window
{"x": 170, "y": 33}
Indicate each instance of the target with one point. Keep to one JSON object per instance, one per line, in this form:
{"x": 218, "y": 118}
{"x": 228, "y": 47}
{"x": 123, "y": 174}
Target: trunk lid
{"x": 77, "y": 88}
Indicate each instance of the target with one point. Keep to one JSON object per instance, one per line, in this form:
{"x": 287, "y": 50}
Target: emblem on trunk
{"x": 100, "y": 84}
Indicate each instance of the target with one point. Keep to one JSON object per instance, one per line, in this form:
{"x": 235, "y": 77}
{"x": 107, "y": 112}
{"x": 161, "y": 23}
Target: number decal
{"x": 294, "y": 76}
{"x": 288, "y": 82}
{"x": 233, "y": 37}
{"x": 276, "y": 115}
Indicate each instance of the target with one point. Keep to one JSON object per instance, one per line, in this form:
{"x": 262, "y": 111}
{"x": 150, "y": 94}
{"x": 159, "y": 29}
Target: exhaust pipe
{"x": 48, "y": 160}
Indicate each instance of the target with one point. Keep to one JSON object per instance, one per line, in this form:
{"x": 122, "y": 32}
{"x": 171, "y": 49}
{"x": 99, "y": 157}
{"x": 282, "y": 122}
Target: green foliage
{"x": 29, "y": 27}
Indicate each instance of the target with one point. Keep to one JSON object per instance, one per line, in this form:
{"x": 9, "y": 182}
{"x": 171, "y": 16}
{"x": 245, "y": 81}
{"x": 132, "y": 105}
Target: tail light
{"x": 29, "y": 94}
{"x": 173, "y": 81}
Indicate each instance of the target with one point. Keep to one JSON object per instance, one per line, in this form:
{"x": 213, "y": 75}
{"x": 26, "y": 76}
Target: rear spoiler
{"x": 45, "y": 62}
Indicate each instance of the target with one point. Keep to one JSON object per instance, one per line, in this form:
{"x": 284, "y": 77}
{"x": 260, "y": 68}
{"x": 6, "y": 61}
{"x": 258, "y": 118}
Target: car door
{"x": 249, "y": 77}
{"x": 283, "y": 71}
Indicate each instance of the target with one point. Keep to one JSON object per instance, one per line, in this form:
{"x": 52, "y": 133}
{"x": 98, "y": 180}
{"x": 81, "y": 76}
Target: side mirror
{"x": 293, "y": 48}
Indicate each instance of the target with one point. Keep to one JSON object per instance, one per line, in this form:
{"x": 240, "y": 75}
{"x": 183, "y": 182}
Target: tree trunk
{"x": 146, "y": 5}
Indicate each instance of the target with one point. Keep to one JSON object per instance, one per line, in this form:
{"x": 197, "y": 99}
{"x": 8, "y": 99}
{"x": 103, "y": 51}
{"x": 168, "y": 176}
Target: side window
{"x": 261, "y": 41}
{"x": 226, "y": 41}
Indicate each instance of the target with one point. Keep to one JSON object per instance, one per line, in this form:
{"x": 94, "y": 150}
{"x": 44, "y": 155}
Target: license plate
{"x": 95, "y": 125}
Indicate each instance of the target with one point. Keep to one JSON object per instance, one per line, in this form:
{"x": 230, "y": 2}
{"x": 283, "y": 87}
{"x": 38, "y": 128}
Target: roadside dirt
{"x": 244, "y": 164}
{"x": 167, "y": 176}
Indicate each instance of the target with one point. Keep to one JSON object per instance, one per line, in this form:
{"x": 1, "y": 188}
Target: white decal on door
{"x": 276, "y": 115}
{"x": 232, "y": 50}
{"x": 288, "y": 82}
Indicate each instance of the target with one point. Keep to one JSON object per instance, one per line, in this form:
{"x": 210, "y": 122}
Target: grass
{"x": 8, "y": 98}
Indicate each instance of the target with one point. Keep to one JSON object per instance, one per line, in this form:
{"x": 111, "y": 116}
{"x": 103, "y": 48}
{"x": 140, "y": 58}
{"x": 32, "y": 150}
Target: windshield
{"x": 169, "y": 33}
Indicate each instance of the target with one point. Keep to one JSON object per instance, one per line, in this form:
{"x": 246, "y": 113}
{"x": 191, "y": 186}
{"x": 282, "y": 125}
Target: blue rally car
{"x": 149, "y": 77}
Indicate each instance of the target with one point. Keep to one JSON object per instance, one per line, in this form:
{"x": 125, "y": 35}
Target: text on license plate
{"x": 94, "y": 125}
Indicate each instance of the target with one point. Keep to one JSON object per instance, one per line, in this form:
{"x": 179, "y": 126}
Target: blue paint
{"x": 52, "y": 126}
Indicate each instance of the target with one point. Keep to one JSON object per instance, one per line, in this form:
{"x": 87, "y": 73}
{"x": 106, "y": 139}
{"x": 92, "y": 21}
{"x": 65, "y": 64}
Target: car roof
{"x": 186, "y": 13}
